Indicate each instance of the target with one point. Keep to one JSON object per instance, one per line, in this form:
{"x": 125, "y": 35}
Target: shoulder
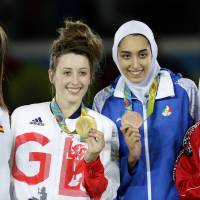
{"x": 187, "y": 84}
{"x": 4, "y": 119}
{"x": 178, "y": 80}
{"x": 3, "y": 113}
{"x": 194, "y": 131}
{"x": 28, "y": 109}
{"x": 108, "y": 91}
{"x": 191, "y": 136}
{"x": 104, "y": 94}
{"x": 191, "y": 90}
{"x": 101, "y": 98}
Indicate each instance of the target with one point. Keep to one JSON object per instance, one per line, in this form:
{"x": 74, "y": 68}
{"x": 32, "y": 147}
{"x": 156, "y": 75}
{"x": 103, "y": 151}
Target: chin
{"x": 138, "y": 80}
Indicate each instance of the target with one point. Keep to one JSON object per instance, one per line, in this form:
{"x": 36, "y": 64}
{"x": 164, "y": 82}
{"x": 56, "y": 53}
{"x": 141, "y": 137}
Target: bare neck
{"x": 68, "y": 108}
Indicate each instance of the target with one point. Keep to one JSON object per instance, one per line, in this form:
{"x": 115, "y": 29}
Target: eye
{"x": 126, "y": 56}
{"x": 83, "y": 73}
{"x": 143, "y": 55}
{"x": 67, "y": 73}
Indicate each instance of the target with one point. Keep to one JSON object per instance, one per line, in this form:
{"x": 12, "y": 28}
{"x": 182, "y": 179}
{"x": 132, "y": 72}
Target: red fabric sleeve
{"x": 188, "y": 170}
{"x": 95, "y": 181}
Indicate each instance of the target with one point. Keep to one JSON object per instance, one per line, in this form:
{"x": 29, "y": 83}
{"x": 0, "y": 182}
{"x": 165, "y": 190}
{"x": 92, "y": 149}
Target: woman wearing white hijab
{"x": 167, "y": 103}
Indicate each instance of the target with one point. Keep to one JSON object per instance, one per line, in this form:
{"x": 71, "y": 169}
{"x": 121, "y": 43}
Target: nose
{"x": 134, "y": 62}
{"x": 75, "y": 78}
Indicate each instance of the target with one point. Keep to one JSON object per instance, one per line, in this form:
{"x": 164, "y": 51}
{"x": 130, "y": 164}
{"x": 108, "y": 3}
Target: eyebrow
{"x": 143, "y": 50}
{"x": 125, "y": 51}
{"x": 72, "y": 68}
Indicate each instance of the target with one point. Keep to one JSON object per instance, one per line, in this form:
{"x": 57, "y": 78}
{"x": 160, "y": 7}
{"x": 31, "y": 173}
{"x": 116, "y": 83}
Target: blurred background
{"x": 31, "y": 27}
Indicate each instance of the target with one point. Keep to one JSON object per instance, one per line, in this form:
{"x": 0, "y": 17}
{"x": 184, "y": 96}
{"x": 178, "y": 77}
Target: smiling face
{"x": 134, "y": 56}
{"x": 71, "y": 78}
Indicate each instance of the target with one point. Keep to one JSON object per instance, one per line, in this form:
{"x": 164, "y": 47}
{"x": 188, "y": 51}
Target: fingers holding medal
{"x": 130, "y": 124}
{"x": 84, "y": 124}
{"x": 87, "y": 129}
{"x": 95, "y": 143}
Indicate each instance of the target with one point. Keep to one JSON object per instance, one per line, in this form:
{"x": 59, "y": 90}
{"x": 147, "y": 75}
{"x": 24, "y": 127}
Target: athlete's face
{"x": 134, "y": 56}
{"x": 71, "y": 77}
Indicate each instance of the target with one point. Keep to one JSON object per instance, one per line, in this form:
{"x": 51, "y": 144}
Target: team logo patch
{"x": 167, "y": 111}
{"x": 1, "y": 129}
{"x": 42, "y": 193}
{"x": 37, "y": 121}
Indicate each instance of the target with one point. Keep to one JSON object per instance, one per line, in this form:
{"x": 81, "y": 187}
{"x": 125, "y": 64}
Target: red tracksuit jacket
{"x": 187, "y": 169}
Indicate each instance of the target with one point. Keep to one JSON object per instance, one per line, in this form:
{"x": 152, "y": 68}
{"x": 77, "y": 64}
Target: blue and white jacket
{"x": 176, "y": 109}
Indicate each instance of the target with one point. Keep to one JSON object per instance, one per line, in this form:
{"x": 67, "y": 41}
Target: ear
{"x": 51, "y": 75}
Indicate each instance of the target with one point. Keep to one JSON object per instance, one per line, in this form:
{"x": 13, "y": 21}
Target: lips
{"x": 136, "y": 73}
{"x": 73, "y": 90}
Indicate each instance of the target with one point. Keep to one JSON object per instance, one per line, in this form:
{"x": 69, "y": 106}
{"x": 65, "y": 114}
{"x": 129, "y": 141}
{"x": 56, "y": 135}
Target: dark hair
{"x": 3, "y": 46}
{"x": 77, "y": 37}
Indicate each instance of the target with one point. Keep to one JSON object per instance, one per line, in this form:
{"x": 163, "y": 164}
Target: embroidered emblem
{"x": 1, "y": 129}
{"x": 42, "y": 194}
{"x": 167, "y": 111}
{"x": 37, "y": 121}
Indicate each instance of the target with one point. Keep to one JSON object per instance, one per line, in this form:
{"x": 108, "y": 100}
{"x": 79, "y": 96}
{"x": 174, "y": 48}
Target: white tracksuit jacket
{"x": 5, "y": 151}
{"x": 46, "y": 161}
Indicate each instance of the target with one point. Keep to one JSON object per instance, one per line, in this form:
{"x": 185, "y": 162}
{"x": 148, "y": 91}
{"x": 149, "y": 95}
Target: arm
{"x": 132, "y": 138}
{"x": 188, "y": 168}
{"x": 95, "y": 181}
{"x": 130, "y": 154}
{"x": 105, "y": 168}
{"x": 187, "y": 179}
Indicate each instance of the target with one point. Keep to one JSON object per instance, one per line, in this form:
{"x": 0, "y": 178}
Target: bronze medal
{"x": 132, "y": 118}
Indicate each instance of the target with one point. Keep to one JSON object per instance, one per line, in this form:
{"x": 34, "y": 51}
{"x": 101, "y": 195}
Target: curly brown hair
{"x": 3, "y": 46}
{"x": 77, "y": 37}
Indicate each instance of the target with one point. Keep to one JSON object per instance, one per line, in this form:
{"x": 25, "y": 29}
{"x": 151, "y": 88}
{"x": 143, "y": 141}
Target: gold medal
{"x": 84, "y": 124}
{"x": 132, "y": 118}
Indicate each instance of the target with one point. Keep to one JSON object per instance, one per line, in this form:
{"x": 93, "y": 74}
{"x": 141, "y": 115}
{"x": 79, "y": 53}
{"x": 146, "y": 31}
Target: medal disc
{"x": 84, "y": 124}
{"x": 132, "y": 118}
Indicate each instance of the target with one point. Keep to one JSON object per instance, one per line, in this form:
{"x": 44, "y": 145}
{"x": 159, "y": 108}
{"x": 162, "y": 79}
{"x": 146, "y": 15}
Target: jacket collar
{"x": 165, "y": 88}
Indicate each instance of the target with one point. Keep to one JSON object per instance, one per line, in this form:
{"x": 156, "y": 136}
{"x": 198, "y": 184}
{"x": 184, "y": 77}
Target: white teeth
{"x": 73, "y": 90}
{"x": 136, "y": 72}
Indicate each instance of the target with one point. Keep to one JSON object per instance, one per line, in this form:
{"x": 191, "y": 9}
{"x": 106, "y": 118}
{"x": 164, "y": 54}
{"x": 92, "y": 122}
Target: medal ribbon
{"x": 152, "y": 94}
{"x": 60, "y": 117}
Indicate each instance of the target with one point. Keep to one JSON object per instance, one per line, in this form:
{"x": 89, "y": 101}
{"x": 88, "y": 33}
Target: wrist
{"x": 89, "y": 157}
{"x": 132, "y": 161}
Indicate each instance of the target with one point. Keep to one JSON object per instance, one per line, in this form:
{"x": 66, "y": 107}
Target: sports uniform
{"x": 188, "y": 165}
{"x": 5, "y": 149}
{"x": 48, "y": 163}
{"x": 168, "y": 104}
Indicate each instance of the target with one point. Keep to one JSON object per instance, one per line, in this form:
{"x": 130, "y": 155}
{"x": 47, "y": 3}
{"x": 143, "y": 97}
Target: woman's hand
{"x": 95, "y": 143}
{"x": 132, "y": 138}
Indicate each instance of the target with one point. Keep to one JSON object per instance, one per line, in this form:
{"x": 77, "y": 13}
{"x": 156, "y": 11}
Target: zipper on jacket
{"x": 146, "y": 144}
